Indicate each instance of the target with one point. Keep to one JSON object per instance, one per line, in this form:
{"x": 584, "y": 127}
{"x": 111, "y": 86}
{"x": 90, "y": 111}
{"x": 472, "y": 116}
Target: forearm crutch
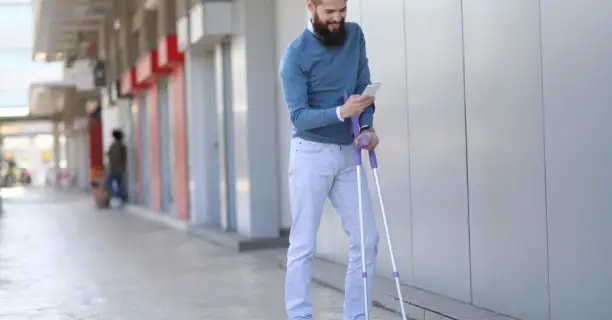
{"x": 364, "y": 141}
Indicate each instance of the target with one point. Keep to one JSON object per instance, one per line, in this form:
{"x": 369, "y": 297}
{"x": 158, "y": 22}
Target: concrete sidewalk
{"x": 60, "y": 258}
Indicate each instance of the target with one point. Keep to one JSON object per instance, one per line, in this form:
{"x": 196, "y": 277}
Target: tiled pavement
{"x": 60, "y": 258}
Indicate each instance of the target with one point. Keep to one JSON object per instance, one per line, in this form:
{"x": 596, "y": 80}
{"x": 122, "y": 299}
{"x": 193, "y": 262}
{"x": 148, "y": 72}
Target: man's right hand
{"x": 355, "y": 105}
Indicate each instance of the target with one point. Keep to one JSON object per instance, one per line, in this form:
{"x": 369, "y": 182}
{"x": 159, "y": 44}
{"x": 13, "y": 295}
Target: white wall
{"x": 80, "y": 154}
{"x": 110, "y": 122}
{"x": 506, "y": 157}
{"x": 388, "y": 66}
{"x": 495, "y": 153}
{"x": 437, "y": 148}
{"x": 290, "y": 21}
{"x": 254, "y": 119}
{"x": 576, "y": 51}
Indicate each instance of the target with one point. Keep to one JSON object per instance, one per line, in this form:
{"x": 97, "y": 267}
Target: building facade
{"x": 493, "y": 116}
{"x": 17, "y": 72}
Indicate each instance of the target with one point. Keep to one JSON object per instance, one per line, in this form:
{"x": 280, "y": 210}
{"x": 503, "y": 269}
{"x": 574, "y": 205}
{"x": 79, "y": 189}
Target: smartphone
{"x": 371, "y": 90}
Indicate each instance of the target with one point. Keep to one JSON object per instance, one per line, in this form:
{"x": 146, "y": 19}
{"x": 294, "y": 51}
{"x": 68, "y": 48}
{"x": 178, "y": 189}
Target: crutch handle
{"x": 363, "y": 142}
{"x": 373, "y": 159}
{"x": 355, "y": 121}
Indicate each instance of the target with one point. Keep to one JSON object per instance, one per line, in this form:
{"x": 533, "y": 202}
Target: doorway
{"x": 166, "y": 148}
{"x": 226, "y": 141}
{"x": 145, "y": 151}
{"x": 130, "y": 114}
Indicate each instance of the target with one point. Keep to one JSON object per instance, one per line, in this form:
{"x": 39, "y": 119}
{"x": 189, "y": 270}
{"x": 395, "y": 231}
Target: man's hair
{"x": 117, "y": 134}
{"x": 317, "y": 2}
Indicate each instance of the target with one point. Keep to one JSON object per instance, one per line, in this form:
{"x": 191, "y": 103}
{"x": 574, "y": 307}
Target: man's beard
{"x": 329, "y": 38}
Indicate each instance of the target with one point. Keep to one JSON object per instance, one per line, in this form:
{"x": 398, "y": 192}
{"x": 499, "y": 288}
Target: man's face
{"x": 328, "y": 18}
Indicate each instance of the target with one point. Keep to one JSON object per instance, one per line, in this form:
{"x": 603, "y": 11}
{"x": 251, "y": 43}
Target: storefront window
{"x": 12, "y": 143}
{"x": 43, "y": 141}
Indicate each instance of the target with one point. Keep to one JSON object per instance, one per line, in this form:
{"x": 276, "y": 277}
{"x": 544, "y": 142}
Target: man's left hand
{"x": 373, "y": 138}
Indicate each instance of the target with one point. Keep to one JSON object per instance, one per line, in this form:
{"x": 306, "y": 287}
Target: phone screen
{"x": 371, "y": 90}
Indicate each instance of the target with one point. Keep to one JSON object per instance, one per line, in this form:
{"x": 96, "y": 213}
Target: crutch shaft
{"x": 364, "y": 270}
{"x": 390, "y": 245}
{"x": 363, "y": 142}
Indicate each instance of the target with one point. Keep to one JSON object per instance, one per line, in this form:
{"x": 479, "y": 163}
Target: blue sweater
{"x": 315, "y": 79}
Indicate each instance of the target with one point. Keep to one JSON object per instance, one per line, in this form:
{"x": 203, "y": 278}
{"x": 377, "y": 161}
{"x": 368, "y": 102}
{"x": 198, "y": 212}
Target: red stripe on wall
{"x": 136, "y": 114}
{"x": 153, "y": 129}
{"x": 96, "y": 150}
{"x": 179, "y": 134}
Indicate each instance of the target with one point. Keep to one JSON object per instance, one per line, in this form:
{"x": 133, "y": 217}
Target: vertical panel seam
{"x": 139, "y": 148}
{"x": 180, "y": 78}
{"x": 544, "y": 157}
{"x": 407, "y": 92}
{"x": 228, "y": 131}
{"x": 279, "y": 135}
{"x": 467, "y": 172}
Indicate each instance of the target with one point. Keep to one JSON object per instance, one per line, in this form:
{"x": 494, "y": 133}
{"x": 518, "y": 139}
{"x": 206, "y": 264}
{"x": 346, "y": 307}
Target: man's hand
{"x": 371, "y": 137}
{"x": 355, "y": 105}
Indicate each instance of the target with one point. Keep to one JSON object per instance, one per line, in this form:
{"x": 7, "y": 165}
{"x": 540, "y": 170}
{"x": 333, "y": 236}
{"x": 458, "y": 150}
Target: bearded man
{"x": 323, "y": 72}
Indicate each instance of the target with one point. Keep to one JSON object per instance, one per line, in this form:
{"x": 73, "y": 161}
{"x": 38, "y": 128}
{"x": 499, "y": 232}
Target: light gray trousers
{"x": 317, "y": 172}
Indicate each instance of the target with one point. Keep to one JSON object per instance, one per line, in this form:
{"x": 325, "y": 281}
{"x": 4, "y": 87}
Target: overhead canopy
{"x": 48, "y": 98}
{"x": 67, "y": 27}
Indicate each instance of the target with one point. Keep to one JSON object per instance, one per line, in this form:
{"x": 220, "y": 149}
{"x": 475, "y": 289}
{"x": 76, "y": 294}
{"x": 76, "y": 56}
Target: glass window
{"x": 14, "y": 98}
{"x": 43, "y": 141}
{"x": 17, "y": 142}
{"x": 15, "y": 16}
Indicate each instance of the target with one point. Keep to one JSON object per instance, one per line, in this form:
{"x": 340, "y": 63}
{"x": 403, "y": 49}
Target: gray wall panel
{"x": 506, "y": 157}
{"x": 203, "y": 157}
{"x": 290, "y": 22}
{"x": 437, "y": 147}
{"x": 577, "y": 80}
{"x": 240, "y": 105}
{"x": 506, "y": 131}
{"x": 254, "y": 119}
{"x": 388, "y": 65}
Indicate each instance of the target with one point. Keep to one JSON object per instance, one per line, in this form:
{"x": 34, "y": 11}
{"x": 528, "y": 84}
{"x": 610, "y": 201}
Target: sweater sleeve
{"x": 294, "y": 84}
{"x": 363, "y": 80}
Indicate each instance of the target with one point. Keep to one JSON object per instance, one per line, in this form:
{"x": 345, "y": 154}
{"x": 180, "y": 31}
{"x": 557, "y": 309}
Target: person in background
{"x": 117, "y": 160}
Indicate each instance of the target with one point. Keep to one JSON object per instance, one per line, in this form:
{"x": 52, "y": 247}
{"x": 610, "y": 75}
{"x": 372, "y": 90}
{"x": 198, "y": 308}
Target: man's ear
{"x": 310, "y": 5}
